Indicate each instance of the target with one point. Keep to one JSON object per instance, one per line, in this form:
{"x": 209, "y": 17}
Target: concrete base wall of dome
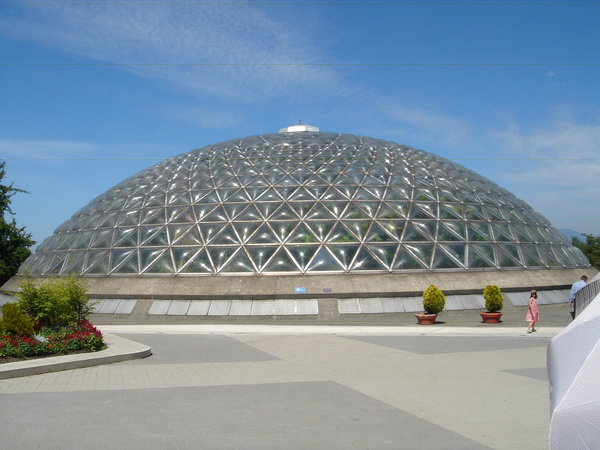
{"x": 324, "y": 286}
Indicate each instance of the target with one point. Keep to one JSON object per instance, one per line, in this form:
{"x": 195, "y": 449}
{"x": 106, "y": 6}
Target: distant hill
{"x": 571, "y": 233}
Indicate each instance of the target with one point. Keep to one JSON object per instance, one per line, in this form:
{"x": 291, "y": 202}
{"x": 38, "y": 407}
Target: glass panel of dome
{"x": 97, "y": 262}
{"x": 199, "y": 263}
{"x": 302, "y": 209}
{"x": 321, "y": 229}
{"x": 129, "y": 218}
{"x": 227, "y": 193}
{"x": 511, "y": 251}
{"x": 265, "y": 235}
{"x": 119, "y": 256}
{"x": 284, "y": 212}
{"x": 379, "y": 234}
{"x": 126, "y": 237}
{"x": 354, "y": 212}
{"x": 108, "y": 220}
{"x": 494, "y": 213}
{"x": 148, "y": 256}
{"x": 448, "y": 231}
{"x": 319, "y": 212}
{"x": 423, "y": 211}
{"x": 162, "y": 264}
{"x": 246, "y": 229}
{"x": 442, "y": 260}
{"x": 134, "y": 202}
{"x": 281, "y": 262}
{"x": 302, "y": 254}
{"x": 423, "y": 252}
{"x": 226, "y": 236}
{"x": 384, "y": 253}
{"x": 481, "y": 255}
{"x": 216, "y": 215}
{"x": 240, "y": 196}
{"x": 153, "y": 216}
{"x": 369, "y": 207}
{"x": 548, "y": 255}
{"x": 180, "y": 214}
{"x": 153, "y": 236}
{"x": 102, "y": 239}
{"x": 341, "y": 234}
{"x": 239, "y": 263}
{"x": 474, "y": 212}
{"x": 520, "y": 233}
{"x": 456, "y": 251}
{"x": 250, "y": 213}
{"x": 478, "y": 231}
{"x": 344, "y": 254}
{"x": 365, "y": 261}
{"x": 260, "y": 255}
{"x": 83, "y": 239}
{"x": 74, "y": 262}
{"x": 531, "y": 255}
{"x": 179, "y": 198}
{"x": 154, "y": 200}
{"x": 302, "y": 234}
{"x": 334, "y": 195}
{"x": 417, "y": 231}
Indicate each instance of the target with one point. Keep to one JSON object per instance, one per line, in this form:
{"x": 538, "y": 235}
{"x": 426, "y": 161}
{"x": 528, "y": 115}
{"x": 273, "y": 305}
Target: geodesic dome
{"x": 301, "y": 203}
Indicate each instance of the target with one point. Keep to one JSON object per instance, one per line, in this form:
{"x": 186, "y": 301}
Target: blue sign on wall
{"x": 300, "y": 290}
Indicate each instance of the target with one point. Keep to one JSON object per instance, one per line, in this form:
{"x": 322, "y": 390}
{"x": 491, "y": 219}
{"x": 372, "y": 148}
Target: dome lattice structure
{"x": 303, "y": 203}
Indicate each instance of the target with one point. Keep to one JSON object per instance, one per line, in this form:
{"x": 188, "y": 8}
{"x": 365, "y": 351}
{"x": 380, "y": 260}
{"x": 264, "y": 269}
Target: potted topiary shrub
{"x": 434, "y": 301}
{"x": 493, "y": 304}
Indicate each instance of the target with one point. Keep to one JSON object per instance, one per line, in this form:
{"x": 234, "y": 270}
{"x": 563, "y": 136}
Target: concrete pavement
{"x": 293, "y": 386}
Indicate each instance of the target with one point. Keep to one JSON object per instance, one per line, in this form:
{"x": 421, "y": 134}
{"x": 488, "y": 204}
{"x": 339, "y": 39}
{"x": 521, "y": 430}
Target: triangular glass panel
{"x": 365, "y": 261}
{"x": 347, "y": 191}
{"x": 226, "y": 236}
{"x": 550, "y": 258}
{"x": 280, "y": 262}
{"x": 359, "y": 228}
{"x": 323, "y": 261}
{"x": 520, "y": 233}
{"x": 506, "y": 260}
{"x": 233, "y": 209}
{"x": 134, "y": 202}
{"x": 248, "y": 214}
{"x": 344, "y": 254}
{"x": 179, "y": 198}
{"x": 321, "y": 229}
{"x": 264, "y": 236}
{"x": 220, "y": 256}
{"x": 386, "y": 212}
{"x": 481, "y": 255}
{"x": 341, "y": 234}
{"x": 371, "y": 180}
{"x": 334, "y": 195}
{"x": 502, "y": 232}
{"x": 302, "y": 209}
{"x": 225, "y": 193}
{"x": 302, "y": 235}
{"x": 354, "y": 212}
{"x": 199, "y": 194}
{"x": 384, "y": 253}
{"x": 424, "y": 195}
{"x": 216, "y": 215}
{"x": 129, "y": 218}
{"x": 210, "y": 230}
{"x": 531, "y": 255}
{"x": 451, "y": 211}
{"x": 102, "y": 239}
{"x": 451, "y": 231}
{"x": 398, "y": 194}
{"x": 478, "y": 231}
{"x": 423, "y": 252}
{"x": 284, "y": 212}
{"x": 246, "y": 229}
{"x": 423, "y": 211}
{"x": 364, "y": 194}
{"x": 199, "y": 263}
{"x": 119, "y": 256}
{"x": 319, "y": 212}
{"x": 406, "y": 261}
{"x": 126, "y": 237}
{"x": 369, "y": 207}
{"x": 148, "y": 256}
{"x": 210, "y": 198}
{"x": 302, "y": 254}
{"x": 160, "y": 238}
{"x": 180, "y": 214}
{"x": 74, "y": 263}
{"x": 162, "y": 264}
{"x": 83, "y": 239}
{"x": 108, "y": 220}
{"x": 469, "y": 196}
{"x": 494, "y": 213}
{"x": 456, "y": 251}
{"x": 155, "y": 200}
{"x": 442, "y": 260}
{"x": 153, "y": 216}
{"x": 379, "y": 234}
{"x": 176, "y": 231}
{"x": 239, "y": 263}
{"x": 474, "y": 212}
{"x": 240, "y": 197}
{"x": 97, "y": 262}
{"x": 416, "y": 232}
{"x": 317, "y": 191}
{"x": 260, "y": 255}
{"x": 266, "y": 209}
{"x": 448, "y": 195}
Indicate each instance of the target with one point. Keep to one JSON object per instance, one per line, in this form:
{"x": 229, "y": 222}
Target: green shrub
{"x": 493, "y": 298}
{"x": 56, "y": 302}
{"x": 14, "y": 321}
{"x": 434, "y": 300}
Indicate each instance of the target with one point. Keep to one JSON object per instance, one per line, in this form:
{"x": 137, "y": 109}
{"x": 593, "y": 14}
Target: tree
{"x": 14, "y": 241}
{"x": 590, "y": 248}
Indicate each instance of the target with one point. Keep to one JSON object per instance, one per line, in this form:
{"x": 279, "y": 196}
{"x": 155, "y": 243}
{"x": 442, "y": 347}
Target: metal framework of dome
{"x": 303, "y": 202}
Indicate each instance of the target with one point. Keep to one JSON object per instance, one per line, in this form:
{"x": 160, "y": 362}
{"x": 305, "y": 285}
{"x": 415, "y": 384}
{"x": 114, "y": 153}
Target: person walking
{"x": 533, "y": 314}
{"x": 574, "y": 290}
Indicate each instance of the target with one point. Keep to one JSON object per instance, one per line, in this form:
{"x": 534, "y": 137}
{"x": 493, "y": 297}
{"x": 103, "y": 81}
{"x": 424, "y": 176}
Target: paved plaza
{"x": 230, "y": 386}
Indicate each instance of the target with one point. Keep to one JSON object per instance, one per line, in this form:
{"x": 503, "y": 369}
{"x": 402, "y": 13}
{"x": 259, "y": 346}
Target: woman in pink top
{"x": 533, "y": 315}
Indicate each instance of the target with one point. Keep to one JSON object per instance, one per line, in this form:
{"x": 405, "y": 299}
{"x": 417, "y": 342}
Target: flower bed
{"x": 49, "y": 342}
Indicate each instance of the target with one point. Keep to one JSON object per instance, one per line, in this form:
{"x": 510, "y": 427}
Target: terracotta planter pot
{"x": 491, "y": 317}
{"x": 426, "y": 319}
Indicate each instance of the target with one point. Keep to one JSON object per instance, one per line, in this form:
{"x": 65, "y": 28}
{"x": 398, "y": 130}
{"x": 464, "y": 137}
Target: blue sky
{"x": 93, "y": 92}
